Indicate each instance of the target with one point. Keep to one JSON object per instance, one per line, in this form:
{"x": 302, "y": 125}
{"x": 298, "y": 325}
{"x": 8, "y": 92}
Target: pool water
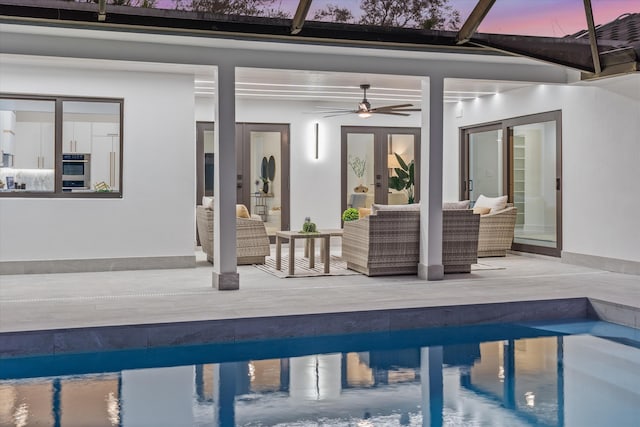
{"x": 582, "y": 373}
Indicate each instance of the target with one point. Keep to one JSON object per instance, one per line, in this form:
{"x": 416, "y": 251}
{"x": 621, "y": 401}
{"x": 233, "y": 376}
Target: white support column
{"x": 431, "y": 150}
{"x": 225, "y": 271}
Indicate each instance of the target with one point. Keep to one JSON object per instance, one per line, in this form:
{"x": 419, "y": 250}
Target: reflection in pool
{"x": 562, "y": 374}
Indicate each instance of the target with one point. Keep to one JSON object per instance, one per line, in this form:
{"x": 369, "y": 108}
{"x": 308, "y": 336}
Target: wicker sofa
{"x": 496, "y": 232}
{"x": 252, "y": 242}
{"x": 388, "y": 242}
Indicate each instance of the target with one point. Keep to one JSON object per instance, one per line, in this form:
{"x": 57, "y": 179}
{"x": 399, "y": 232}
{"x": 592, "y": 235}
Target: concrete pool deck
{"x": 87, "y": 311}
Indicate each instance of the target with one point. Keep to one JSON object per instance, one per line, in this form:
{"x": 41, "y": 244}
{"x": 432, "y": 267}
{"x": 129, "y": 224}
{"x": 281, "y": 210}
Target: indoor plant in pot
{"x": 403, "y": 180}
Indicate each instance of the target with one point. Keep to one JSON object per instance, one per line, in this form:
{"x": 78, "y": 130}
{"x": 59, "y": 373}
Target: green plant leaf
{"x": 404, "y": 176}
{"x": 403, "y": 165}
{"x": 395, "y": 183}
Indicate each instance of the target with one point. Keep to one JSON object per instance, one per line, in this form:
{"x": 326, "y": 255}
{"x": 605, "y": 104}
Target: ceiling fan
{"x": 365, "y": 110}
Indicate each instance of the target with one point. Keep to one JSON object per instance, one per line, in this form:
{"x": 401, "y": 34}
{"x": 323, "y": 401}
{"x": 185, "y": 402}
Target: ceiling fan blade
{"x": 340, "y": 114}
{"x": 390, "y": 113}
{"x": 334, "y": 108}
{"x": 407, "y": 109}
{"x": 391, "y": 107}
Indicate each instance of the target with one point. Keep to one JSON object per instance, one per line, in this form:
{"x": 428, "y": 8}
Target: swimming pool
{"x": 578, "y": 373}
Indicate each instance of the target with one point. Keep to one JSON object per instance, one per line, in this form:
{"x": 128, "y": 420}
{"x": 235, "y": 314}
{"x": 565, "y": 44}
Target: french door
{"x": 370, "y": 159}
{"x": 262, "y": 156}
{"x": 519, "y": 157}
{"x": 204, "y": 163}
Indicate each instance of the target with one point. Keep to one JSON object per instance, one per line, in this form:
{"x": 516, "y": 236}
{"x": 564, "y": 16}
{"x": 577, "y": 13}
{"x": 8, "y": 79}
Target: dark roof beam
{"x": 593, "y": 40}
{"x": 300, "y": 16}
{"x": 473, "y": 21}
{"x": 102, "y": 10}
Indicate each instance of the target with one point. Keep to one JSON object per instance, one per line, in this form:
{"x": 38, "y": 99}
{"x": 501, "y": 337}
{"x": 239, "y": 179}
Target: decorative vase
{"x": 361, "y": 189}
{"x": 265, "y": 188}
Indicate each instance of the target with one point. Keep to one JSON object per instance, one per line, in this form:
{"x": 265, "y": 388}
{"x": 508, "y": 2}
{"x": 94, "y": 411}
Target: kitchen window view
{"x": 84, "y": 162}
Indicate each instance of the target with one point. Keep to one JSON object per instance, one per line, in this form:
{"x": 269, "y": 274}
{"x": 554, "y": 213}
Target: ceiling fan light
{"x": 364, "y": 114}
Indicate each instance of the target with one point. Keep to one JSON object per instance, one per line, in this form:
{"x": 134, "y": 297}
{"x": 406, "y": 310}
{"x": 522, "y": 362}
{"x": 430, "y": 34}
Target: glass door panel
{"x": 361, "y": 189}
{"x": 485, "y": 164}
{"x": 208, "y": 161}
{"x": 402, "y": 145}
{"x": 264, "y": 173}
{"x": 533, "y": 156}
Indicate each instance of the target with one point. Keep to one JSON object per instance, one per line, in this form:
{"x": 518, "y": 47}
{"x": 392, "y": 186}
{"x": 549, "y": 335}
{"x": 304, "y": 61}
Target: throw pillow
{"x": 242, "y": 211}
{"x": 207, "y": 202}
{"x": 464, "y": 204}
{"x": 362, "y": 212}
{"x": 494, "y": 203}
{"x": 410, "y": 207}
{"x": 481, "y": 210}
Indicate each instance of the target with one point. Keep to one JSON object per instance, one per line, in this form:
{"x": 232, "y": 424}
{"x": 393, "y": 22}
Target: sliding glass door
{"x": 534, "y": 182}
{"x": 526, "y": 166}
{"x": 485, "y": 162}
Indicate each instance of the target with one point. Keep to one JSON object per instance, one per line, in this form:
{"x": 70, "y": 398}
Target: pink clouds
{"x": 549, "y": 17}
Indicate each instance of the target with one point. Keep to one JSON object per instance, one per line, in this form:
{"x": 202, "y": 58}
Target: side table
{"x": 310, "y": 239}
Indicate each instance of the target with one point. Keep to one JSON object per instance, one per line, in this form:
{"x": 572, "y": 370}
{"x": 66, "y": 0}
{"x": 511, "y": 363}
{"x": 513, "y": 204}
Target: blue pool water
{"x": 581, "y": 373}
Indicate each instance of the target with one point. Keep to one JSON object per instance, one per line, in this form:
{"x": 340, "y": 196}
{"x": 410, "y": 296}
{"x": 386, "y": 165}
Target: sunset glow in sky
{"x": 554, "y": 18}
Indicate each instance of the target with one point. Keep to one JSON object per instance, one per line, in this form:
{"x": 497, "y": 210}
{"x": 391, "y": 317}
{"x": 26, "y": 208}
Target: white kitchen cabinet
{"x": 7, "y": 131}
{"x": 76, "y": 137}
{"x": 34, "y": 145}
{"x": 105, "y": 156}
{"x": 106, "y": 153}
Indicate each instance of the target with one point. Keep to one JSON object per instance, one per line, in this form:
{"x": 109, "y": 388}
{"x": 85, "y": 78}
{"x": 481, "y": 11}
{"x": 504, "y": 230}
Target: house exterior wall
{"x": 155, "y": 216}
{"x": 600, "y": 156}
{"x": 159, "y": 159}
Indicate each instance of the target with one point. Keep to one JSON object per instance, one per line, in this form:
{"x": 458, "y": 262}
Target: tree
{"x": 135, "y": 3}
{"x": 334, "y": 13}
{"x": 425, "y": 14}
{"x": 239, "y": 7}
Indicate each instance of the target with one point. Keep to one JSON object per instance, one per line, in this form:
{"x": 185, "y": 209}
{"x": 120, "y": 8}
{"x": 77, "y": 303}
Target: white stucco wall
{"x": 155, "y": 217}
{"x": 601, "y": 154}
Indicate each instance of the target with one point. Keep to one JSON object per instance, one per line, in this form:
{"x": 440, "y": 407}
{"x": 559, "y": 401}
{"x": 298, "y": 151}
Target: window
{"x": 60, "y": 147}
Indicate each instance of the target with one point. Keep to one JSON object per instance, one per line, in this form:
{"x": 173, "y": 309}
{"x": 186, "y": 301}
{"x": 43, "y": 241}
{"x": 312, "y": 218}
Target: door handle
{"x": 470, "y": 185}
{"x": 557, "y": 184}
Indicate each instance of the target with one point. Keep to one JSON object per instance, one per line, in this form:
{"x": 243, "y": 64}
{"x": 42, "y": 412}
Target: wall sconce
{"x": 316, "y": 128}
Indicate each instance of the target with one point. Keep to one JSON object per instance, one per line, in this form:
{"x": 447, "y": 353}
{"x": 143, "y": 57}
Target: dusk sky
{"x": 554, "y": 18}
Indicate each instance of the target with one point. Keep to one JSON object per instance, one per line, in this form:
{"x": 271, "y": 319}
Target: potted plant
{"x": 350, "y": 214}
{"x": 403, "y": 180}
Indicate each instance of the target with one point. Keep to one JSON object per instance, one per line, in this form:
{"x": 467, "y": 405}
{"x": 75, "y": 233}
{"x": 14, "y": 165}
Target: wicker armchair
{"x": 496, "y": 232}
{"x": 251, "y": 237}
{"x": 459, "y": 240}
{"x": 385, "y": 243}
